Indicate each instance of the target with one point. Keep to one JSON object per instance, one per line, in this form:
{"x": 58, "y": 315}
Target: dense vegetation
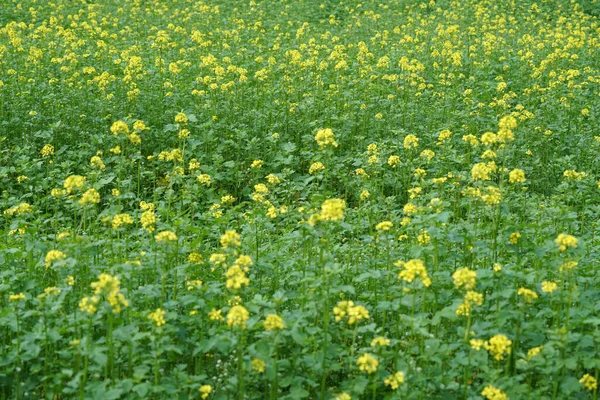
{"x": 299, "y": 199}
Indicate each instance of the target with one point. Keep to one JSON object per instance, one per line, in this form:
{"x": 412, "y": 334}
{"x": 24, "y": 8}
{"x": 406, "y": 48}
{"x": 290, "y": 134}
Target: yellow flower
{"x": 427, "y": 155}
{"x": 393, "y": 161}
{"x": 204, "y": 179}
{"x": 120, "y": 220}
{"x": 258, "y": 365}
{"x": 528, "y": 295}
{"x": 471, "y": 139}
{"x": 215, "y": 315}
{"x": 472, "y": 297}
{"x": 16, "y": 297}
{"x": 230, "y": 239}
{"x": 20, "y": 209}
{"x": 57, "y": 192}
{"x": 410, "y": 141}
{"x": 332, "y": 210}
{"x": 565, "y": 241}
{"x": 464, "y": 309}
{"x": 257, "y": 164}
{"x": 574, "y": 175}
{"x": 236, "y": 277}
{"x": 273, "y": 322}
{"x": 181, "y": 118}
{"x": 194, "y": 164}
{"x": 568, "y": 266}
{"x": 273, "y": 179}
{"x": 498, "y": 346}
{"x": 139, "y": 126}
{"x": 507, "y": 122}
{"x": 205, "y": 390}
{"x": 514, "y": 237}
{"x": 148, "y": 219}
{"x": 316, "y": 167}
{"x": 109, "y": 287}
{"x": 158, "y": 316}
{"x": 195, "y": 258}
{"x": 49, "y": 291}
{"x": 356, "y": 314}
{"x": 217, "y": 258}
{"x": 91, "y": 196}
{"x": 89, "y": 304}
{"x": 424, "y": 238}
{"x": 193, "y": 284}
{"x": 325, "y": 137}
{"x": 492, "y": 195}
{"x": 115, "y": 150}
{"x": 96, "y": 163}
{"x": 534, "y": 351}
{"x": 589, "y": 382}
{"x": 244, "y": 261}
{"x": 183, "y": 134}
{"x": 237, "y": 316}
{"x": 73, "y": 182}
{"x": 54, "y": 255}
{"x": 365, "y": 194}
{"x": 342, "y": 396}
{"x": 412, "y": 269}
{"x": 492, "y": 393}
{"x": 47, "y": 151}
{"x": 464, "y": 277}
{"x": 341, "y": 309}
{"x": 443, "y": 136}
{"x": 415, "y": 192}
{"x": 119, "y": 127}
{"x": 549, "y": 286}
{"x": 261, "y": 188}
{"x": 367, "y": 363}
{"x": 409, "y": 208}
{"x": 394, "y": 381}
{"x": 272, "y": 212}
{"x": 384, "y": 226}
{"x": 480, "y": 172}
{"x": 488, "y": 154}
{"x": 476, "y": 344}
{"x": 516, "y": 176}
{"x": 380, "y": 341}
{"x": 361, "y": 172}
{"x": 166, "y": 236}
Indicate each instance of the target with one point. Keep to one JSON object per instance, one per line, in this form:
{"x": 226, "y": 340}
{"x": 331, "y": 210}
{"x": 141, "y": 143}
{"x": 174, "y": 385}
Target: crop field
{"x": 299, "y": 199}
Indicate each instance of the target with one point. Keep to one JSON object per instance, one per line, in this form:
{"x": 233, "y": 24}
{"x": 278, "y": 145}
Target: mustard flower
{"x": 565, "y": 241}
{"x": 158, "y": 316}
{"x": 273, "y": 322}
{"x": 237, "y": 316}
{"x": 492, "y": 393}
{"x": 367, "y": 363}
{"x": 589, "y": 382}
{"x": 395, "y": 380}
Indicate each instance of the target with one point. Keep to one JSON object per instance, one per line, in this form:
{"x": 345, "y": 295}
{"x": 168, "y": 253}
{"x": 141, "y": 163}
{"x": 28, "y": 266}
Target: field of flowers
{"x": 297, "y": 199}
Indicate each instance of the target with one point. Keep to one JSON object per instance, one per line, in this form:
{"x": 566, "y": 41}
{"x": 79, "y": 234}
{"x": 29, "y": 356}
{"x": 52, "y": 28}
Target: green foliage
{"x": 299, "y": 200}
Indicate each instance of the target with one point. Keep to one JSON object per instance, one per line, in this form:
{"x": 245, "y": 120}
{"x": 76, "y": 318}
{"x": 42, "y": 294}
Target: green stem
{"x": 240, "y": 366}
